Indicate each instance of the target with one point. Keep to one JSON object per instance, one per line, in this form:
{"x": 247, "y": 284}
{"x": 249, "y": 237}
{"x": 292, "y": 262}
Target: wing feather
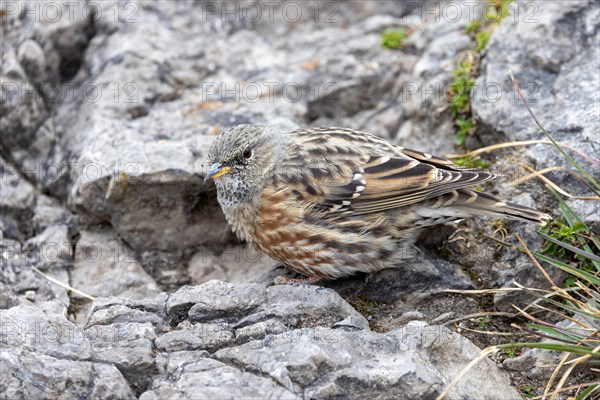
{"x": 368, "y": 175}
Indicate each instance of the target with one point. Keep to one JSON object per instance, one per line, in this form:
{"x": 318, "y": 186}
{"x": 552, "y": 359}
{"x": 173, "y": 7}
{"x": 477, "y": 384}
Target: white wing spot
{"x": 359, "y": 178}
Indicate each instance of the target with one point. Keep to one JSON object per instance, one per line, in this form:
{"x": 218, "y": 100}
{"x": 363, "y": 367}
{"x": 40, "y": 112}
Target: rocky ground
{"x": 107, "y": 112}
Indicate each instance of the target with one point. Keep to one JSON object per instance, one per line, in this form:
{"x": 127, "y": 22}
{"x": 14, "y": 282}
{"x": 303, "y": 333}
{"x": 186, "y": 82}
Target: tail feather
{"x": 490, "y": 205}
{"x": 464, "y": 203}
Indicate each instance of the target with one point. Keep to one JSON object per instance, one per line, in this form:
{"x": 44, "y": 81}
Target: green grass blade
{"x": 574, "y": 310}
{"x": 560, "y": 336}
{"x": 589, "y": 390}
{"x": 566, "y": 348}
{"x": 571, "y": 216}
{"x": 569, "y": 247}
{"x": 571, "y": 270}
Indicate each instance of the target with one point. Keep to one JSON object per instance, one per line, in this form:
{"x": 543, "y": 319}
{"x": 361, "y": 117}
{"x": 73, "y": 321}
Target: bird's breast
{"x": 278, "y": 222}
{"x": 276, "y": 213}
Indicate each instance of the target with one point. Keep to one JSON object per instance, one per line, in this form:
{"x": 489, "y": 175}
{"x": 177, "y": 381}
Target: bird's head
{"x": 240, "y": 160}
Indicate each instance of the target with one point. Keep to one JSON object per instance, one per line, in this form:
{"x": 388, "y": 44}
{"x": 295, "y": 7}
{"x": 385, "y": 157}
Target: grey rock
{"x": 248, "y": 304}
{"x": 32, "y": 58}
{"x": 588, "y": 211}
{"x": 68, "y": 33}
{"x": 189, "y": 374}
{"x": 406, "y": 363}
{"x": 129, "y": 347}
{"x": 290, "y": 341}
{"x": 540, "y": 69}
{"x": 63, "y": 352}
{"x": 224, "y": 301}
{"x": 553, "y": 70}
{"x": 418, "y": 278}
{"x": 49, "y": 212}
{"x": 214, "y": 300}
{"x": 53, "y": 244}
{"x": 27, "y": 375}
{"x": 105, "y": 266}
{"x": 134, "y": 177}
{"x": 44, "y": 161}
{"x": 306, "y": 306}
{"x": 41, "y": 59}
{"x": 168, "y": 269}
{"x": 408, "y": 316}
{"x": 352, "y": 323}
{"x": 23, "y": 109}
{"x": 534, "y": 363}
{"x": 314, "y": 360}
{"x": 32, "y": 329}
{"x": 12, "y": 256}
{"x": 519, "y": 270}
{"x": 49, "y": 252}
{"x": 106, "y": 311}
{"x": 415, "y": 286}
{"x": 17, "y": 192}
{"x": 434, "y": 47}
{"x": 16, "y": 202}
{"x": 261, "y": 329}
{"x": 189, "y": 219}
{"x": 540, "y": 363}
{"x": 195, "y": 337}
{"x": 232, "y": 263}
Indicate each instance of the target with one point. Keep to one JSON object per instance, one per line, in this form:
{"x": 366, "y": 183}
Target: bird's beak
{"x": 217, "y": 170}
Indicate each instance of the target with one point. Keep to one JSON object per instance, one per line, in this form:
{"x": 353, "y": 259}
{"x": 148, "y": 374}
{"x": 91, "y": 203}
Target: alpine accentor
{"x": 329, "y": 202}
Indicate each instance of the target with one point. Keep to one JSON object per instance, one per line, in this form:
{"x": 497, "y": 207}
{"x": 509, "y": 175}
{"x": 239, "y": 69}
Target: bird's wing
{"x": 395, "y": 182}
{"x": 350, "y": 171}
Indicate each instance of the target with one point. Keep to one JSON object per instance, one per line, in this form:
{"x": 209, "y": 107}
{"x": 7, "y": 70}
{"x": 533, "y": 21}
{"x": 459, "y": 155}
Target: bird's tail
{"x": 464, "y": 203}
{"x": 489, "y": 205}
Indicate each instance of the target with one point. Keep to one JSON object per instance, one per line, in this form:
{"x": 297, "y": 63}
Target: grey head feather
{"x": 248, "y": 175}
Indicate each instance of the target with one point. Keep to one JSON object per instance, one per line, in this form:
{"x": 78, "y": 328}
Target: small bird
{"x": 330, "y": 202}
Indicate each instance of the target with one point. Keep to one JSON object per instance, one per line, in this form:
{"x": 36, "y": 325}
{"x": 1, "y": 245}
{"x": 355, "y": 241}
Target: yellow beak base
{"x": 217, "y": 171}
{"x": 222, "y": 172}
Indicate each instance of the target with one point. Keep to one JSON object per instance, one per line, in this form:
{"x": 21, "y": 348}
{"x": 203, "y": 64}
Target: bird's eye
{"x": 247, "y": 153}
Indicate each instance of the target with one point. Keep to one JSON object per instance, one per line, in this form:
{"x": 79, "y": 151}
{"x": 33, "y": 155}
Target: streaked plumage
{"x": 329, "y": 202}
